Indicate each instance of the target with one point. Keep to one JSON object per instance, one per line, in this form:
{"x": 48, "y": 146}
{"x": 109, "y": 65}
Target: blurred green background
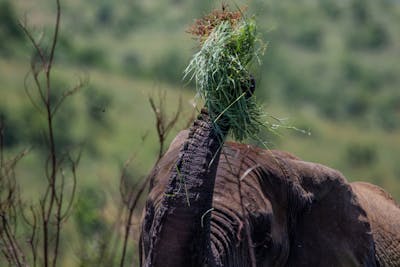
{"x": 331, "y": 68}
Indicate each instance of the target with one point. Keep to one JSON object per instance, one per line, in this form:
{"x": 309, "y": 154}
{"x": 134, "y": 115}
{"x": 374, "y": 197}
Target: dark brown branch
{"x": 33, "y": 42}
{"x": 7, "y": 251}
{"x": 66, "y": 94}
{"x": 53, "y": 155}
{"x": 55, "y": 40}
{"x": 26, "y": 88}
{"x": 54, "y": 205}
{"x": 131, "y": 209}
{"x": 163, "y": 126}
{"x": 58, "y": 216}
{"x": 10, "y": 240}
{"x": 33, "y": 240}
{"x": 8, "y": 205}
{"x": 1, "y": 143}
{"x": 67, "y": 211}
{"x": 35, "y": 74}
{"x": 123, "y": 185}
{"x": 6, "y": 254}
{"x": 126, "y": 200}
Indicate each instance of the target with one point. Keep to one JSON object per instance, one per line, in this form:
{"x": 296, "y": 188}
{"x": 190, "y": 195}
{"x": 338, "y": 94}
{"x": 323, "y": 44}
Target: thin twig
{"x": 26, "y": 88}
{"x": 66, "y": 94}
{"x": 34, "y": 43}
{"x": 11, "y": 241}
{"x": 132, "y": 207}
{"x": 33, "y": 241}
{"x": 67, "y": 211}
{"x": 1, "y": 143}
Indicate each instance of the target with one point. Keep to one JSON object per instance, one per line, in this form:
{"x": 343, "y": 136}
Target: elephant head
{"x": 236, "y": 205}
{"x": 246, "y": 206}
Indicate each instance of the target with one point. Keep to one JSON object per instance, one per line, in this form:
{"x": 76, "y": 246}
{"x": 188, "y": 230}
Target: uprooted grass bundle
{"x": 228, "y": 47}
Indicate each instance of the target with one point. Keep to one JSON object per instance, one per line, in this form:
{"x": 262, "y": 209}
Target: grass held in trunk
{"x": 229, "y": 45}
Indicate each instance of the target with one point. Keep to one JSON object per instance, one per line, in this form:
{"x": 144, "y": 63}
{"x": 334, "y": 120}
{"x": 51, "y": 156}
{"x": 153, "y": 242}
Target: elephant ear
{"x": 333, "y": 230}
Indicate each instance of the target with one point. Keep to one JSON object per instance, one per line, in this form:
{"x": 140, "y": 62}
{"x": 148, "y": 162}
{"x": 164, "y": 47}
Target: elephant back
{"x": 384, "y": 216}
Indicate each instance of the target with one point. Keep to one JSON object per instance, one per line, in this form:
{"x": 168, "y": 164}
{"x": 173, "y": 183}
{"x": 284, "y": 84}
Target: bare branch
{"x": 2, "y": 126}
{"x": 51, "y": 204}
{"x": 26, "y": 88}
{"x": 123, "y": 184}
{"x": 58, "y": 219}
{"x": 10, "y": 164}
{"x": 33, "y": 42}
{"x": 8, "y": 202}
{"x": 16, "y": 253}
{"x": 131, "y": 208}
{"x": 55, "y": 39}
{"x": 66, "y": 94}
{"x": 67, "y": 211}
{"x": 175, "y": 118}
{"x": 33, "y": 240}
{"x": 162, "y": 125}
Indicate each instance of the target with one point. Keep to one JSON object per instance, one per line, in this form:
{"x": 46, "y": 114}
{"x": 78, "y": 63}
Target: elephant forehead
{"x": 230, "y": 188}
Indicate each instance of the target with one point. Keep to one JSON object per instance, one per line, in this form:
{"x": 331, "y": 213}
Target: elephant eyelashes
{"x": 261, "y": 233}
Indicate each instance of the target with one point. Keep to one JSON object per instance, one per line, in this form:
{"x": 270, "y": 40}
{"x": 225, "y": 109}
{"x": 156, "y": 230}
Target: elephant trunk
{"x": 181, "y": 227}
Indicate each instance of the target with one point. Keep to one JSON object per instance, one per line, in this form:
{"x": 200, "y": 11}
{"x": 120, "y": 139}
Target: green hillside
{"x": 331, "y": 68}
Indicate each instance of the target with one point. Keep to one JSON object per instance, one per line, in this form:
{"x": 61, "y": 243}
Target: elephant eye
{"x": 260, "y": 224}
{"x": 261, "y": 230}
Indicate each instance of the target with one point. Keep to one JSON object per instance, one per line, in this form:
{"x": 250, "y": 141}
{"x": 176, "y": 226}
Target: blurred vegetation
{"x": 331, "y": 67}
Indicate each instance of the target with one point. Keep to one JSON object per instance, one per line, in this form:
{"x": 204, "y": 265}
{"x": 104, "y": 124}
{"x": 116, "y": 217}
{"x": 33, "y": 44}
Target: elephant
{"x": 215, "y": 203}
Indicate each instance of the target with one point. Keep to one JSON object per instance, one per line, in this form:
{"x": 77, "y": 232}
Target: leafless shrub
{"x": 163, "y": 124}
{"x": 9, "y": 206}
{"x": 46, "y": 218}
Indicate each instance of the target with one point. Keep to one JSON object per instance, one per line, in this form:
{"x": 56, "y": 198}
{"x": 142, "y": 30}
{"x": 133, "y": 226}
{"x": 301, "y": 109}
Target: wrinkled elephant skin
{"x": 270, "y": 208}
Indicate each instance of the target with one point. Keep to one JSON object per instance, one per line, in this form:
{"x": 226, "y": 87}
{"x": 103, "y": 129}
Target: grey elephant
{"x": 244, "y": 206}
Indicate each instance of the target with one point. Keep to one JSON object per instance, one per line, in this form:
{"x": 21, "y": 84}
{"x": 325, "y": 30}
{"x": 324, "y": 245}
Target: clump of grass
{"x": 229, "y": 45}
{"x": 203, "y": 27}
